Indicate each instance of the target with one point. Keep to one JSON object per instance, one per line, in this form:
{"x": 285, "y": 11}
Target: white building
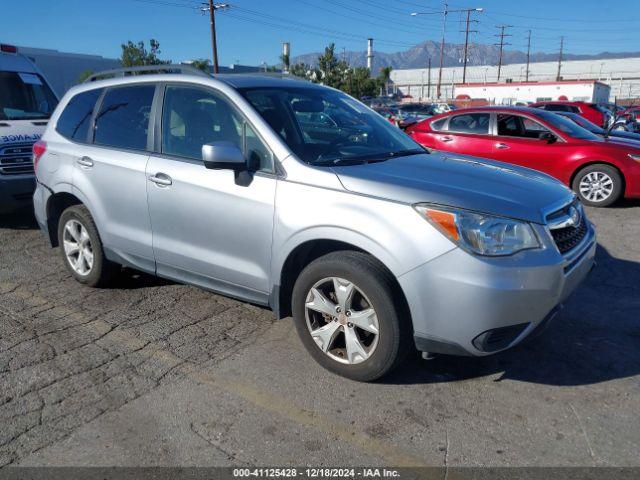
{"x": 513, "y": 92}
{"x": 622, "y": 75}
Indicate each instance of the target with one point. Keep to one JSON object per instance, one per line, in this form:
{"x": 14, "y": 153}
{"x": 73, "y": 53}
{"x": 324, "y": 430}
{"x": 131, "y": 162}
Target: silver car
{"x": 374, "y": 246}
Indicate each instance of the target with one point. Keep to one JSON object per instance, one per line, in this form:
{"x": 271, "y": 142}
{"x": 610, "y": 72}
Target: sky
{"x": 251, "y": 32}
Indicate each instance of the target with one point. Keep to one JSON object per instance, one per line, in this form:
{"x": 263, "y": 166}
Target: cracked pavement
{"x": 155, "y": 373}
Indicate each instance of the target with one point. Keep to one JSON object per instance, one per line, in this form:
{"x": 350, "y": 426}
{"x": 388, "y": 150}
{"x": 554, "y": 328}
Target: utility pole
{"x": 445, "y": 12}
{"x": 526, "y": 74}
{"x": 444, "y": 27}
{"x": 466, "y": 40}
{"x": 211, "y": 8}
{"x": 502, "y": 44}
{"x": 429, "y": 80}
{"x": 559, "y": 76}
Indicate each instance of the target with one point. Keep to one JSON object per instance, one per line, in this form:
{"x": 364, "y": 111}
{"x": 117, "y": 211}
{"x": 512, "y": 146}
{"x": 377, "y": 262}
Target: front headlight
{"x": 480, "y": 233}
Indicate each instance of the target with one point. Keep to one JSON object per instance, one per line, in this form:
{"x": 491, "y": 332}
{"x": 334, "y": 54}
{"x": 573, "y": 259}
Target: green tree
{"x": 384, "y": 78}
{"x": 302, "y": 70}
{"x": 284, "y": 58}
{"x": 201, "y": 64}
{"x": 332, "y": 71}
{"x": 84, "y": 75}
{"x": 136, "y": 54}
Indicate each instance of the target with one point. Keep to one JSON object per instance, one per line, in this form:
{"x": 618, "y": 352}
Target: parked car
{"x": 367, "y": 239}
{"x": 26, "y": 103}
{"x": 419, "y": 111}
{"x": 599, "y": 171}
{"x": 612, "y": 133}
{"x": 591, "y": 111}
{"x": 397, "y": 117}
{"x": 627, "y": 121}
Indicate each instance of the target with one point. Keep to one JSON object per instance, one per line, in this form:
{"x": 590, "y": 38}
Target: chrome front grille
{"x": 16, "y": 159}
{"x": 568, "y": 226}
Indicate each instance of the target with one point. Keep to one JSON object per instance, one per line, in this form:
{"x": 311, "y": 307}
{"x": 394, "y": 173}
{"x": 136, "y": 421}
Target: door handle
{"x": 446, "y": 139}
{"x": 85, "y": 162}
{"x": 161, "y": 179}
{"x": 502, "y": 146}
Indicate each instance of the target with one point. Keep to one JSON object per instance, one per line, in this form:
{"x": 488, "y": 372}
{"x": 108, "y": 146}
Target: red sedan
{"x": 599, "y": 171}
{"x": 591, "y": 111}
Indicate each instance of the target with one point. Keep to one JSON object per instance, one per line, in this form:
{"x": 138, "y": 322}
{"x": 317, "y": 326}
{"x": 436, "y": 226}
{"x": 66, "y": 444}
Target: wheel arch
{"x": 599, "y": 162}
{"x": 56, "y": 204}
{"x": 305, "y": 253}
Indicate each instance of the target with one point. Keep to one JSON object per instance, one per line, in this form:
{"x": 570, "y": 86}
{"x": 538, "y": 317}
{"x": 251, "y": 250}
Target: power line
{"x": 502, "y": 44}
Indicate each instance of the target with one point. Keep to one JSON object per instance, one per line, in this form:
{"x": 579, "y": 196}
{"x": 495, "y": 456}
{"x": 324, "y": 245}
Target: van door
{"x": 110, "y": 173}
{"x": 209, "y": 228}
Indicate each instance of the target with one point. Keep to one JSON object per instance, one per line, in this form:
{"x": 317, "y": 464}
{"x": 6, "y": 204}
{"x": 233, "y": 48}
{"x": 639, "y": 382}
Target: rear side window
{"x": 76, "y": 116}
{"x": 438, "y": 124}
{"x": 123, "y": 120}
{"x": 477, "y": 123}
{"x": 556, "y": 108}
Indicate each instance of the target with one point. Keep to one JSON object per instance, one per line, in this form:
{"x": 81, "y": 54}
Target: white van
{"x": 26, "y": 103}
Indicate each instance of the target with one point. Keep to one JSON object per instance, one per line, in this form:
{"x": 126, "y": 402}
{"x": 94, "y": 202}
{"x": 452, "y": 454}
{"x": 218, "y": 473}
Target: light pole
{"x": 444, "y": 13}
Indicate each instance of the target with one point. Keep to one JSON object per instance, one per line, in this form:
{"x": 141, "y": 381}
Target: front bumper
{"x": 463, "y": 304}
{"x": 16, "y": 191}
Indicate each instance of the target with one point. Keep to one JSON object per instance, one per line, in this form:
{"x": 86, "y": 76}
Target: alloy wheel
{"x": 596, "y": 186}
{"x": 341, "y": 320}
{"x": 77, "y": 247}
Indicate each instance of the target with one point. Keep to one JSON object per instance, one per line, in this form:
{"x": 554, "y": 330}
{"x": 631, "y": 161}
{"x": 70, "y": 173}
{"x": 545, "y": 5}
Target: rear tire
{"x": 82, "y": 250}
{"x": 357, "y": 298}
{"x": 598, "y": 185}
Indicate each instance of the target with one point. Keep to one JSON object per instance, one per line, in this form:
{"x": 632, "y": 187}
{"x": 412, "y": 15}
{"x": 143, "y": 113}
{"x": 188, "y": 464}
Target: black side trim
{"x": 432, "y": 345}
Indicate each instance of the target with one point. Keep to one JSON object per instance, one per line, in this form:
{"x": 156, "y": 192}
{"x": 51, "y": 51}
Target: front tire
{"x": 598, "y": 185}
{"x": 348, "y": 317}
{"x": 81, "y": 248}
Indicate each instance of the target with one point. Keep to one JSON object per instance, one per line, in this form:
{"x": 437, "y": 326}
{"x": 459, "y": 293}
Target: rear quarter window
{"x": 439, "y": 124}
{"x": 75, "y": 119}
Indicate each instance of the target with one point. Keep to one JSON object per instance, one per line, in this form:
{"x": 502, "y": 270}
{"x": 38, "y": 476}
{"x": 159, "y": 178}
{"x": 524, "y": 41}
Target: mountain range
{"x": 478, "y": 54}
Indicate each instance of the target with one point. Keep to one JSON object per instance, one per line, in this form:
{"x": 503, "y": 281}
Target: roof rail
{"x": 128, "y": 71}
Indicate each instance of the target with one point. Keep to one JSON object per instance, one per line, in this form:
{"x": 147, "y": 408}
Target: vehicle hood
{"x": 459, "y": 181}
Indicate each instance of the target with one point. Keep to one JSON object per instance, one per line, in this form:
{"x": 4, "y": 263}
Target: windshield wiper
{"x": 369, "y": 158}
{"x": 406, "y": 153}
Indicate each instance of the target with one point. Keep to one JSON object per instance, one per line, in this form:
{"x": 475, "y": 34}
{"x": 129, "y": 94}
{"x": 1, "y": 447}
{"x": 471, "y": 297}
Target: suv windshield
{"x": 567, "y": 126}
{"x": 326, "y": 127}
{"x": 25, "y": 96}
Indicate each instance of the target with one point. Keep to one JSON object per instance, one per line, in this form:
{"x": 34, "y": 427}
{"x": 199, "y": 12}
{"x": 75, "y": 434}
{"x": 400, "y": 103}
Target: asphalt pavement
{"x": 150, "y": 372}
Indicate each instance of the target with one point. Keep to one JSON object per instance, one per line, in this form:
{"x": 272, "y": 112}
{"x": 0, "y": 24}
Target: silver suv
{"x": 298, "y": 197}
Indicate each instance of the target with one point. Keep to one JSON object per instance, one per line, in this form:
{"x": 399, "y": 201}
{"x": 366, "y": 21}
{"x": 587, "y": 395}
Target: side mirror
{"x": 547, "y": 137}
{"x": 223, "y": 156}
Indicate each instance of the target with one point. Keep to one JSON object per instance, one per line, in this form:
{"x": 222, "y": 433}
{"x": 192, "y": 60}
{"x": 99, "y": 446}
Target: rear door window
{"x": 75, "y": 119}
{"x": 123, "y": 119}
{"x": 477, "y": 123}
